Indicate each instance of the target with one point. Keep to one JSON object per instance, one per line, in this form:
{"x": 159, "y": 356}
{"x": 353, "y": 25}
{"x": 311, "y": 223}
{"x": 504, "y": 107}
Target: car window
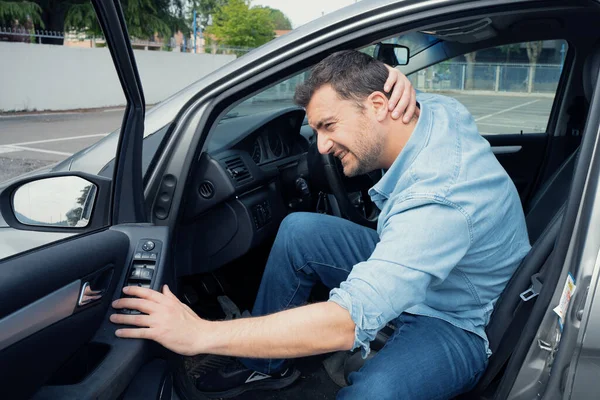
{"x": 508, "y": 89}
{"x": 281, "y": 95}
{"x": 65, "y": 96}
{"x": 65, "y": 99}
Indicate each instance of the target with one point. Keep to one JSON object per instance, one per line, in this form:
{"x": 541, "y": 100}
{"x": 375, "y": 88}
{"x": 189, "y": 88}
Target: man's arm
{"x": 312, "y": 329}
{"x": 303, "y": 331}
{"x": 420, "y": 243}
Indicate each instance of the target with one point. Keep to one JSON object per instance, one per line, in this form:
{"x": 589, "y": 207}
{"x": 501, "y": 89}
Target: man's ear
{"x": 378, "y": 102}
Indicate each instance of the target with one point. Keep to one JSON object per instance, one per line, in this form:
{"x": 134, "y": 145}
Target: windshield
{"x": 281, "y": 95}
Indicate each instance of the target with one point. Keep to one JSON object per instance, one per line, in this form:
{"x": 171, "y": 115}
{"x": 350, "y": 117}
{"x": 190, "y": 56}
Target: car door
{"x": 55, "y": 337}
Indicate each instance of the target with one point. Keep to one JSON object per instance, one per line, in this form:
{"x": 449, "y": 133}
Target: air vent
{"x": 238, "y": 170}
{"x": 206, "y": 190}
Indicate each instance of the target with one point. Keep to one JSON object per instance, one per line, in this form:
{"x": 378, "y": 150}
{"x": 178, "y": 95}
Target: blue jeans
{"x": 426, "y": 358}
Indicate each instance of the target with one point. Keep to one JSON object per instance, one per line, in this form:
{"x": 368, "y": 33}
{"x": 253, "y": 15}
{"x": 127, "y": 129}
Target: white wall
{"x": 45, "y": 77}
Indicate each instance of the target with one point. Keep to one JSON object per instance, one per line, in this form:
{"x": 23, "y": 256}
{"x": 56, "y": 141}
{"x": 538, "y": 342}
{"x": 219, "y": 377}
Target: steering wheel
{"x": 343, "y": 188}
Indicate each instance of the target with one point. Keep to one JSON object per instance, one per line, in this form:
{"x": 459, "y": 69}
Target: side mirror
{"x": 57, "y": 202}
{"x": 391, "y": 54}
{"x": 61, "y": 201}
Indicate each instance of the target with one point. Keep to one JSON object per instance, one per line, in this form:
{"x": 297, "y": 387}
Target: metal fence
{"x": 26, "y": 35}
{"x": 509, "y": 78}
{"x": 497, "y": 77}
{"x": 71, "y": 38}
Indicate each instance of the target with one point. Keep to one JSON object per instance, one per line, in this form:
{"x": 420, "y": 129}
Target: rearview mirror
{"x": 62, "y": 201}
{"x": 391, "y": 54}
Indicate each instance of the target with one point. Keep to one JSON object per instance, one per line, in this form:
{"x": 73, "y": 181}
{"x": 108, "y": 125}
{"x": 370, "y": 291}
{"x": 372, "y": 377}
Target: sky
{"x": 303, "y": 11}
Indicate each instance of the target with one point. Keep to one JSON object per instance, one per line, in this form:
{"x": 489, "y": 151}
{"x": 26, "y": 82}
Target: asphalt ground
{"x": 31, "y": 141}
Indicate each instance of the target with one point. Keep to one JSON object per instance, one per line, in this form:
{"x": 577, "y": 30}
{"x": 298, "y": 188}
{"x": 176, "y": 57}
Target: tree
{"x": 470, "y": 57}
{"x": 534, "y": 49}
{"x": 508, "y": 49}
{"x": 144, "y": 18}
{"x": 280, "y": 21}
{"x": 11, "y": 11}
{"x": 21, "y": 16}
{"x": 206, "y": 8}
{"x": 75, "y": 214}
{"x": 237, "y": 25}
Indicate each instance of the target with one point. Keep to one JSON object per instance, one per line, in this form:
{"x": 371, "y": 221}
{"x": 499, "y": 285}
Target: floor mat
{"x": 314, "y": 382}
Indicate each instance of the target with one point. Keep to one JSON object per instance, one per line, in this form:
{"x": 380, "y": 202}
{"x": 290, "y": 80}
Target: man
{"x": 450, "y": 234}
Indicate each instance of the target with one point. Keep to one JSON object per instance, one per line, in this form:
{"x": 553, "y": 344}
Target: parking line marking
{"x": 22, "y": 148}
{"x": 507, "y": 110}
{"x": 7, "y": 150}
{"x": 56, "y": 140}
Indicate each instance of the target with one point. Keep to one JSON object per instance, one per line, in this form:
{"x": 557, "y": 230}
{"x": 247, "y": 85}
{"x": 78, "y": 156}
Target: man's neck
{"x": 397, "y": 134}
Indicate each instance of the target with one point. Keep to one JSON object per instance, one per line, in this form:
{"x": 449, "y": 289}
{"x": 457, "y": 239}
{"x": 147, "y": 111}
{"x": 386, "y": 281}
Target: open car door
{"x": 56, "y": 340}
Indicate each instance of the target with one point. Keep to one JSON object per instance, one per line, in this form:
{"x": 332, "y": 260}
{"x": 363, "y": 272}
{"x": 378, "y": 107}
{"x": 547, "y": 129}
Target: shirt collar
{"x": 419, "y": 137}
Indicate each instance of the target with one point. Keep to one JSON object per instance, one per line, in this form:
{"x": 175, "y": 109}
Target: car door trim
{"x": 38, "y": 315}
{"x": 506, "y": 149}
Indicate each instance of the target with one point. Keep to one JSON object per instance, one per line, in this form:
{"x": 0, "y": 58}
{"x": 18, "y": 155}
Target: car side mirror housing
{"x": 57, "y": 202}
{"x": 391, "y": 54}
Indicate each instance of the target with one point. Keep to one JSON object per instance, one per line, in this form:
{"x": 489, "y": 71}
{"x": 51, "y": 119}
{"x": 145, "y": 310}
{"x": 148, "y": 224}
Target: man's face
{"x": 348, "y": 132}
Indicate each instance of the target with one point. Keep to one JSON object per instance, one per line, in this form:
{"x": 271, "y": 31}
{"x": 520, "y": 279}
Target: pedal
{"x": 229, "y": 308}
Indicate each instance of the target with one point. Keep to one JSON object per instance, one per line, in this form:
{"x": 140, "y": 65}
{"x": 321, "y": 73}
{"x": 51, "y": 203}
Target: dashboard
{"x": 274, "y": 141}
{"x": 266, "y": 137}
{"x": 253, "y": 173}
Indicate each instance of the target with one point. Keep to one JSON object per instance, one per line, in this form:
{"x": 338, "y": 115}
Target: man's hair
{"x": 352, "y": 74}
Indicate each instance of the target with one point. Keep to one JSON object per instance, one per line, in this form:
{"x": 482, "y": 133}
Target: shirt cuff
{"x": 367, "y": 323}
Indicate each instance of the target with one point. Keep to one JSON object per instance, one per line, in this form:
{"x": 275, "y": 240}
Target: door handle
{"x": 95, "y": 286}
{"x": 88, "y": 295}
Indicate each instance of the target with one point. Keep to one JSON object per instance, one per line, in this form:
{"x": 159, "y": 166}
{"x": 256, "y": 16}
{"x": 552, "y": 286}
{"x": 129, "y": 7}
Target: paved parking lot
{"x": 29, "y": 142}
{"x": 496, "y": 114}
{"x": 32, "y": 141}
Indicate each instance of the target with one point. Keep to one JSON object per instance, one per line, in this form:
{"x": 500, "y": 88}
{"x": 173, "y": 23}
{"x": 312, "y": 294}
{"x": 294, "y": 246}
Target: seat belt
{"x": 509, "y": 341}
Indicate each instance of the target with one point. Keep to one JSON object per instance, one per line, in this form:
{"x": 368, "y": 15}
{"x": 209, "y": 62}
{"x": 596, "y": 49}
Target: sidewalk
{"x": 10, "y": 114}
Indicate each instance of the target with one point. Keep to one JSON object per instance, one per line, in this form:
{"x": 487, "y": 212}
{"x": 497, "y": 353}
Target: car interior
{"x": 253, "y": 167}
{"x": 269, "y": 161}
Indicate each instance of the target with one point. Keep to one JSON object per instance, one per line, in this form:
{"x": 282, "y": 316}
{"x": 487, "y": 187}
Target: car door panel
{"x": 521, "y": 156}
{"x": 531, "y": 159}
{"x": 54, "y": 342}
{"x": 85, "y": 255}
{"x": 42, "y": 323}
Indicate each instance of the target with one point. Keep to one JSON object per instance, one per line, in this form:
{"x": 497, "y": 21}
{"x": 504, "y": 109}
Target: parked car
{"x": 201, "y": 182}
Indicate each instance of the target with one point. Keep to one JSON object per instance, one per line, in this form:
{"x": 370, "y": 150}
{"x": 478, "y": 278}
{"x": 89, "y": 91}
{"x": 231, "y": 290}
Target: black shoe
{"x": 234, "y": 379}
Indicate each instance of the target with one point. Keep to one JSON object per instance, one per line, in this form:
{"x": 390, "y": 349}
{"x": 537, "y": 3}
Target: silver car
{"x": 201, "y": 182}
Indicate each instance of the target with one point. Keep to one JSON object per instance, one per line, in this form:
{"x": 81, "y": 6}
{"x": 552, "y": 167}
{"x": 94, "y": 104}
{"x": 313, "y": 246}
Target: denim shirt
{"x": 451, "y": 229}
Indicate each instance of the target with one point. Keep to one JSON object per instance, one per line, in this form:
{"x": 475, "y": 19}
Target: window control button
{"x": 148, "y": 245}
{"x": 136, "y": 273}
{"x": 146, "y": 273}
{"x": 142, "y": 273}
